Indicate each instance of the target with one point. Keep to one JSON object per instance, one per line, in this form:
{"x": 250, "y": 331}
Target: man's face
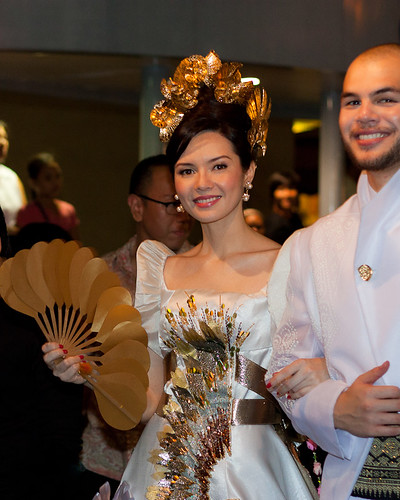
{"x": 286, "y": 198}
{"x": 156, "y": 223}
{"x": 3, "y": 144}
{"x": 370, "y": 112}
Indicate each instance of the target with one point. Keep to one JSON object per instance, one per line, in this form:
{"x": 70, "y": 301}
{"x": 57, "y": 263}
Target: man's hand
{"x": 366, "y": 410}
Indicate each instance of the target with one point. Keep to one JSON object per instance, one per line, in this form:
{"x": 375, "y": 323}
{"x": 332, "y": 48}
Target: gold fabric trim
{"x": 254, "y": 412}
{"x": 380, "y": 476}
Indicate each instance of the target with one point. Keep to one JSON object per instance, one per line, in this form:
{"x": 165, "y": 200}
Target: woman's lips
{"x": 206, "y": 201}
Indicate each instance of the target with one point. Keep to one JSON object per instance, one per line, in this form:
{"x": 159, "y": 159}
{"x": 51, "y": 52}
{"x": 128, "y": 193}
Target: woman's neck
{"x": 227, "y": 236}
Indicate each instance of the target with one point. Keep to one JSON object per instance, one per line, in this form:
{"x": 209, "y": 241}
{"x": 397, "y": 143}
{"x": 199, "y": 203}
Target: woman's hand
{"x": 298, "y": 378}
{"x": 64, "y": 367}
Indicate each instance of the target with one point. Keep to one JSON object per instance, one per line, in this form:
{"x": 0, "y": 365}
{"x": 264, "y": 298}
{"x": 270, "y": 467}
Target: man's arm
{"x": 367, "y": 410}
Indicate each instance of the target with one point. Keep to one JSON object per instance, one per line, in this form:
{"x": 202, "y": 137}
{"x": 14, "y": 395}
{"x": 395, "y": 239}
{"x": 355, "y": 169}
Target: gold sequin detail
{"x": 199, "y": 410}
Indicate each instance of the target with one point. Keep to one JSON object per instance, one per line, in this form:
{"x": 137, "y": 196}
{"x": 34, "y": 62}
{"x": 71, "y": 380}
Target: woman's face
{"x": 48, "y": 182}
{"x": 209, "y": 177}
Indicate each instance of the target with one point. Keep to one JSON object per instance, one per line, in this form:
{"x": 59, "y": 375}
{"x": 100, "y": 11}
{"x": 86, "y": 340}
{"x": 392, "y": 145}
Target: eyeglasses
{"x": 170, "y": 206}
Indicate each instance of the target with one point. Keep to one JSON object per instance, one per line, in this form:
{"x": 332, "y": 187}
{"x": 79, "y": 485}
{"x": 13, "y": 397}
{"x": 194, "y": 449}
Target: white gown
{"x": 260, "y": 465}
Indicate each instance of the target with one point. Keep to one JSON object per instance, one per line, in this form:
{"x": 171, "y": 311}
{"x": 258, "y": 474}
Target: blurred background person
{"x": 255, "y": 219}
{"x": 45, "y": 177}
{"x": 284, "y": 218}
{"x": 106, "y": 451}
{"x": 12, "y": 192}
{"x": 40, "y": 419}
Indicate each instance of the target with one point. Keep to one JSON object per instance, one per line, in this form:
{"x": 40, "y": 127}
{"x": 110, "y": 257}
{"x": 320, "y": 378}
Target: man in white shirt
{"x": 12, "y": 193}
{"x": 343, "y": 294}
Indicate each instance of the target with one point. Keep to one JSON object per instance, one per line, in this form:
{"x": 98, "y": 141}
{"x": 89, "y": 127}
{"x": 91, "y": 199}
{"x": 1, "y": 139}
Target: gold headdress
{"x": 181, "y": 94}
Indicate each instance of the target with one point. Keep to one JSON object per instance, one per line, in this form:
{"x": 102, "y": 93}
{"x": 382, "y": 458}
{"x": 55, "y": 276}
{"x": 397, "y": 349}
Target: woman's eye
{"x": 185, "y": 171}
{"x": 220, "y": 166}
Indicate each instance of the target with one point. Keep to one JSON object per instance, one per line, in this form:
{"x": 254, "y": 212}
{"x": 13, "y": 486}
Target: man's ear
{"x": 136, "y": 207}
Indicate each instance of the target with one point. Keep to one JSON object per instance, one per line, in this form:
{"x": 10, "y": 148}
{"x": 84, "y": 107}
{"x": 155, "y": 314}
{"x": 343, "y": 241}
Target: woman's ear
{"x": 250, "y": 173}
{"x": 136, "y": 207}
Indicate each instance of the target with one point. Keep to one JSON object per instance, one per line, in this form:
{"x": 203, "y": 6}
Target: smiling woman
{"x": 211, "y": 432}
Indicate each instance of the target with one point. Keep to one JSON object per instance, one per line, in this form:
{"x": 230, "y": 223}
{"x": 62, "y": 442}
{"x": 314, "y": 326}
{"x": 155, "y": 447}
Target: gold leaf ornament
{"x": 182, "y": 91}
{"x": 79, "y": 303}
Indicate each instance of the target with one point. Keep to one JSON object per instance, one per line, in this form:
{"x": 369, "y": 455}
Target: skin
{"x": 370, "y": 126}
{"x": 209, "y": 181}
{"x": 48, "y": 183}
{"x": 285, "y": 201}
{"x": 369, "y": 117}
{"x": 4, "y": 144}
{"x": 153, "y": 222}
{"x": 255, "y": 220}
{"x": 47, "y": 187}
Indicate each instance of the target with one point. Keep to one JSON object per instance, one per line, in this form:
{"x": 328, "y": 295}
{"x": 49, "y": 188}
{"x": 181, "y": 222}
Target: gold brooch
{"x": 181, "y": 94}
{"x": 365, "y": 272}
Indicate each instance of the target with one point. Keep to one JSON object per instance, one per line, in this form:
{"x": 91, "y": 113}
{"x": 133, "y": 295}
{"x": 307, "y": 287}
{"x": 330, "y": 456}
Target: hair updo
{"x": 229, "y": 120}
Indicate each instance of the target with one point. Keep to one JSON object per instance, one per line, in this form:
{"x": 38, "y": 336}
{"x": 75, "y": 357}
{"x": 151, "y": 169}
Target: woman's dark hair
{"x": 230, "y": 120}
{"x": 39, "y": 161}
{"x": 5, "y": 243}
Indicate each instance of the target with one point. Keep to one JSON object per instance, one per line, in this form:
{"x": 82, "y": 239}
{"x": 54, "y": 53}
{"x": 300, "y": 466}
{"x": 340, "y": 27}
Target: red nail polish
{"x": 288, "y": 396}
{"x": 269, "y": 385}
{"x": 81, "y": 356}
{"x": 60, "y": 346}
{"x": 65, "y": 351}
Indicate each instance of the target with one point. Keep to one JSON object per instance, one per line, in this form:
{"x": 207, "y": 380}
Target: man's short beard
{"x": 385, "y": 161}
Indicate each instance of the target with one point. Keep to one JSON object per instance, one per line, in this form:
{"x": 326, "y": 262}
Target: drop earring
{"x": 247, "y": 187}
{"x": 179, "y": 207}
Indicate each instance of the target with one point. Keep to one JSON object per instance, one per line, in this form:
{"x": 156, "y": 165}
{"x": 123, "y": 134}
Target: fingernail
{"x": 65, "y": 351}
{"x": 81, "y": 356}
{"x": 269, "y": 385}
{"x": 278, "y": 395}
{"x": 288, "y": 396}
{"x": 60, "y": 346}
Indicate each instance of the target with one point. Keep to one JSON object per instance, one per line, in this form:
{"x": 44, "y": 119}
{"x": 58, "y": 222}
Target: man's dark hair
{"x": 285, "y": 179}
{"x": 141, "y": 175}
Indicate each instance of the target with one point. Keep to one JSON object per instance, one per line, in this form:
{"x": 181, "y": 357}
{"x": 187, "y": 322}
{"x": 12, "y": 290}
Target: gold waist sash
{"x": 380, "y": 476}
{"x": 244, "y": 411}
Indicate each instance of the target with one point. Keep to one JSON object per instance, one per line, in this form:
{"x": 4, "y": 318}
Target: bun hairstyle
{"x": 229, "y": 120}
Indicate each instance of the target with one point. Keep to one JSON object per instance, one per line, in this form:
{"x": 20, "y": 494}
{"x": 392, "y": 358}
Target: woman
{"x": 45, "y": 177}
{"x": 219, "y": 287}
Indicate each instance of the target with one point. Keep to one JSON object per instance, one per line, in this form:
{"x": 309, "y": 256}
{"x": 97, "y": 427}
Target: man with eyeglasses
{"x": 153, "y": 208}
{"x": 151, "y": 201}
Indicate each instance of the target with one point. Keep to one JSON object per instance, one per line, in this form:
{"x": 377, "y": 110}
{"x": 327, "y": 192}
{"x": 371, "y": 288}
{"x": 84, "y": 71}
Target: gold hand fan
{"x": 79, "y": 303}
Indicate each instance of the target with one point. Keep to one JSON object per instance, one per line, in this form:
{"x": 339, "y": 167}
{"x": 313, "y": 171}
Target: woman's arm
{"x": 298, "y": 378}
{"x": 67, "y": 369}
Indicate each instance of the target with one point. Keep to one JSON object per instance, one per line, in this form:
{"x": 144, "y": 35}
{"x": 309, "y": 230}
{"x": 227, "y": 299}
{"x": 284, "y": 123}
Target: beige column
{"x": 331, "y": 154}
{"x": 149, "y": 142}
